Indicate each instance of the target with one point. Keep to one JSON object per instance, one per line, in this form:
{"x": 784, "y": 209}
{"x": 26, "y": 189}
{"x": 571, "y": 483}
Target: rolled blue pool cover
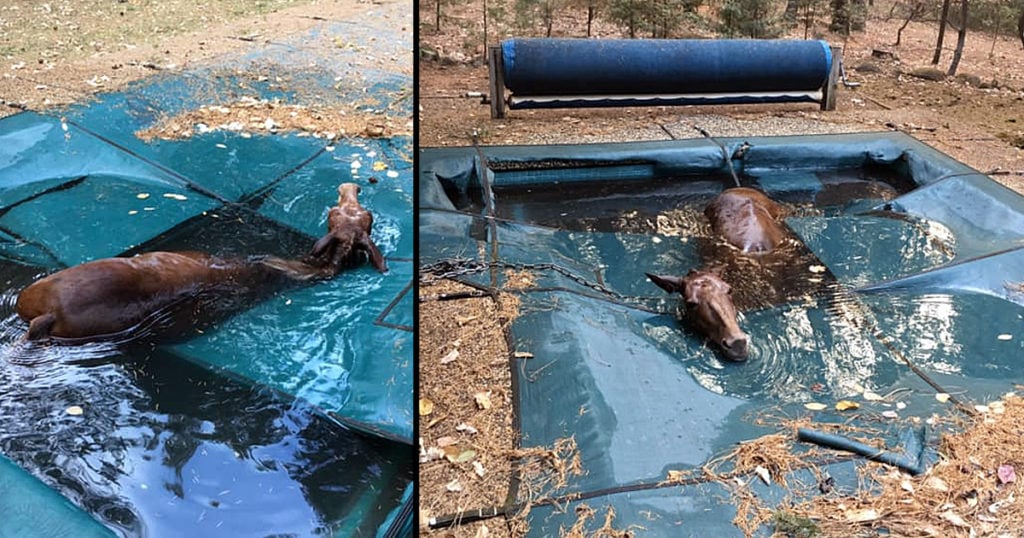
{"x": 542, "y": 66}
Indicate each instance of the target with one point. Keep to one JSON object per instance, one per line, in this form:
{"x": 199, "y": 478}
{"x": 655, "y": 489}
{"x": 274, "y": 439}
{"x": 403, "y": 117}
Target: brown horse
{"x": 709, "y": 308}
{"x": 747, "y": 219}
{"x": 348, "y": 235}
{"x": 108, "y": 299}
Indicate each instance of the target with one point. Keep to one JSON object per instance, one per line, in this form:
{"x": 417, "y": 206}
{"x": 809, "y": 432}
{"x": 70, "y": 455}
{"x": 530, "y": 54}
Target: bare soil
{"x": 465, "y": 400}
{"x": 63, "y": 51}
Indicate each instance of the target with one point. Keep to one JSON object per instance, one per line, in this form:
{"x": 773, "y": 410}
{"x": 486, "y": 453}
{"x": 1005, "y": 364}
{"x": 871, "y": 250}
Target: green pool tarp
{"x": 891, "y": 237}
{"x": 79, "y": 184}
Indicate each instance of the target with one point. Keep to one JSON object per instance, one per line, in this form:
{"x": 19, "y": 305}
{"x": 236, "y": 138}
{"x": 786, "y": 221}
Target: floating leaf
{"x": 843, "y": 405}
{"x": 483, "y": 400}
{"x": 142, "y": 195}
{"x": 1004, "y": 337}
{"x": 815, "y": 406}
{"x": 478, "y": 468}
{"x": 872, "y": 397}
{"x": 426, "y": 407}
{"x": 675, "y": 476}
{"x": 816, "y": 268}
{"x": 523, "y": 355}
{"x": 175, "y": 196}
{"x": 766, "y": 477}
{"x": 379, "y": 166}
{"x": 454, "y": 486}
{"x": 1007, "y": 474}
{"x": 942, "y": 397}
{"x": 74, "y": 410}
{"x": 890, "y": 414}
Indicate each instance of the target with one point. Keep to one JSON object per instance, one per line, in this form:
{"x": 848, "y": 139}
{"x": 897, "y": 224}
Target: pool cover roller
{"x": 555, "y": 73}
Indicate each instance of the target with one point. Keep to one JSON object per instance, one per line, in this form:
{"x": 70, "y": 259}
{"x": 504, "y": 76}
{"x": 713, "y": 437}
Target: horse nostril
{"x": 731, "y": 343}
{"x": 735, "y": 346}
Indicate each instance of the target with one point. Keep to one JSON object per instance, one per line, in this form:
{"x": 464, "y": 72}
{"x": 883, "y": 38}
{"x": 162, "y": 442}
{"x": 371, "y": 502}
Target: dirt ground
{"x": 977, "y": 117}
{"x": 62, "y": 51}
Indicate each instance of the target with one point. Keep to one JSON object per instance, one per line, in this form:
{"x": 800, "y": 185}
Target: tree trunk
{"x": 590, "y": 19}
{"x": 1020, "y": 27}
{"x": 961, "y": 36}
{"x": 841, "y": 17}
{"x": 942, "y": 32}
{"x": 789, "y": 17}
{"x": 858, "y": 14}
{"x": 437, "y": 17}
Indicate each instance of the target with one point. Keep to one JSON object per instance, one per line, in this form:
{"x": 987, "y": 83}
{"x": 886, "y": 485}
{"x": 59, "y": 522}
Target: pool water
{"x": 897, "y": 254}
{"x": 168, "y": 446}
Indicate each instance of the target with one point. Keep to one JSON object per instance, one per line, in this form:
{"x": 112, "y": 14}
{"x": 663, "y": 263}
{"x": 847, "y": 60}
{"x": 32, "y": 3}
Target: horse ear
{"x": 670, "y": 284}
{"x": 376, "y": 258}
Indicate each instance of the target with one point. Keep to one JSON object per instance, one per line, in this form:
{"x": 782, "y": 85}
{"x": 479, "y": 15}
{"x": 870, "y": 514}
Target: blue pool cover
{"x": 907, "y": 277}
{"x": 77, "y": 185}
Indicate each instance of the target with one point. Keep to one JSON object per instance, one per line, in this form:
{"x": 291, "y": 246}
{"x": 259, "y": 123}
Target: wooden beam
{"x": 828, "y": 93}
{"x": 496, "y": 81}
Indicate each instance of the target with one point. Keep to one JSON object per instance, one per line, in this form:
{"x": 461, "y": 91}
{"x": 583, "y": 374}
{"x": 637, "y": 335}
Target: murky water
{"x": 163, "y": 446}
{"x": 811, "y": 337}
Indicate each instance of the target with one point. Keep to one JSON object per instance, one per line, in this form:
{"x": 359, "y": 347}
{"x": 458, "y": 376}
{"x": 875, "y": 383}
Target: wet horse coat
{"x": 747, "y": 219}
{"x": 348, "y": 235}
{"x": 110, "y": 298}
{"x": 104, "y": 298}
{"x": 709, "y": 308}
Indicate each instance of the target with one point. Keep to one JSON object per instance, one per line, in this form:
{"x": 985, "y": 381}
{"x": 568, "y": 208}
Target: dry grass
{"x": 584, "y": 514}
{"x": 962, "y": 495}
{"x": 972, "y": 491}
{"x": 463, "y": 354}
{"x": 263, "y": 116}
{"x": 74, "y": 29}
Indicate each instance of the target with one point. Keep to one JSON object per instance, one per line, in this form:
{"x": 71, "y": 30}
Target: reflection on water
{"x": 811, "y": 338}
{"x": 163, "y": 447}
